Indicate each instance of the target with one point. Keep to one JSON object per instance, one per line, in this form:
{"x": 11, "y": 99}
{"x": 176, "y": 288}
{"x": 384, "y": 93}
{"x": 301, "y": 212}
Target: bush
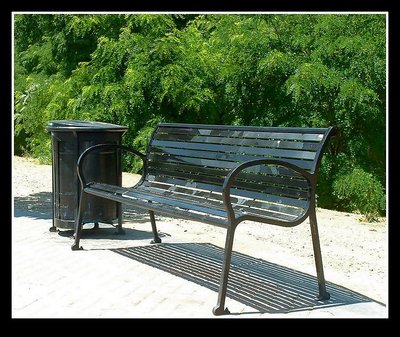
{"x": 360, "y": 191}
{"x": 306, "y": 70}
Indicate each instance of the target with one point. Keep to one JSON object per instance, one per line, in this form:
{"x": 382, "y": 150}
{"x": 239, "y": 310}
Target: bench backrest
{"x": 201, "y": 155}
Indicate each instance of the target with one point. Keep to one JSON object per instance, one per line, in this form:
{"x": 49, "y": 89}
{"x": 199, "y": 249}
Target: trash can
{"x": 69, "y": 139}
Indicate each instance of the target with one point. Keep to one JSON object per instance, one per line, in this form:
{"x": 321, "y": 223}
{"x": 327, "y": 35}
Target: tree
{"x": 277, "y": 70}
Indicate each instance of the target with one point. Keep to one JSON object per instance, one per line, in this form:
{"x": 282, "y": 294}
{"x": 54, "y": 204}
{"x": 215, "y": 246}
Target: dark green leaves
{"x": 279, "y": 70}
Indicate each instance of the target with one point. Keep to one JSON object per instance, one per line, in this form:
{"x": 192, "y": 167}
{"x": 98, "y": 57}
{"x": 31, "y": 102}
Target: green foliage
{"x": 360, "y": 191}
{"x": 140, "y": 143}
{"x": 274, "y": 70}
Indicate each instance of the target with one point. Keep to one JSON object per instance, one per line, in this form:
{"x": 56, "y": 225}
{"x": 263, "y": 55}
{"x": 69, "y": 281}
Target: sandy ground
{"x": 355, "y": 253}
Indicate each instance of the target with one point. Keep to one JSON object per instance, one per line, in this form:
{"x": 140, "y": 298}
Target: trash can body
{"x": 69, "y": 140}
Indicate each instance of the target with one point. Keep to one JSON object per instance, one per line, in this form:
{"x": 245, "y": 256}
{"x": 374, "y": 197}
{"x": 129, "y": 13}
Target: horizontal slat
{"x": 281, "y": 144}
{"x": 305, "y": 164}
{"x": 107, "y": 188}
{"x": 265, "y": 152}
{"x": 225, "y": 156}
{"x": 183, "y": 190}
{"x": 242, "y": 128}
{"x": 182, "y": 182}
{"x": 184, "y": 195}
{"x": 266, "y": 214}
{"x": 174, "y": 202}
{"x": 269, "y": 198}
{"x": 217, "y": 172}
{"x": 189, "y": 176}
{"x": 256, "y": 205}
{"x": 268, "y": 189}
{"x": 279, "y": 134}
{"x": 280, "y": 172}
{"x": 274, "y": 179}
{"x": 160, "y": 208}
{"x": 192, "y": 161}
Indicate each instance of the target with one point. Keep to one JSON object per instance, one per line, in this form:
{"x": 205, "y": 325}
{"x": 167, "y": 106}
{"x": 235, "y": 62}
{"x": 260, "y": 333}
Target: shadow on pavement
{"x": 36, "y": 205}
{"x": 111, "y": 233}
{"x": 40, "y": 206}
{"x": 262, "y": 285}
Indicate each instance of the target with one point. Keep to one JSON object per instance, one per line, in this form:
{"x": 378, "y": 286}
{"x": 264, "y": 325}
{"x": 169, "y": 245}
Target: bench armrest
{"x": 99, "y": 147}
{"x": 231, "y": 177}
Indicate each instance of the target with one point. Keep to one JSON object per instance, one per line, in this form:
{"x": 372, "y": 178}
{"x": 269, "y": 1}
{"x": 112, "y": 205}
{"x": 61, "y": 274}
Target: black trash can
{"x": 69, "y": 139}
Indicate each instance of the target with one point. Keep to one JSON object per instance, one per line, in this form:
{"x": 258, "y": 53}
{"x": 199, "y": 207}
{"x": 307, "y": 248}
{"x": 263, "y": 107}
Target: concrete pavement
{"x": 124, "y": 276}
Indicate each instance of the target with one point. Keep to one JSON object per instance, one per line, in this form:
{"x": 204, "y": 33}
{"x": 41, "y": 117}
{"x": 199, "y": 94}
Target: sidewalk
{"x": 124, "y": 276}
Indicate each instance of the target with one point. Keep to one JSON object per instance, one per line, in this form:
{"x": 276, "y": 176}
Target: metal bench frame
{"x": 232, "y": 219}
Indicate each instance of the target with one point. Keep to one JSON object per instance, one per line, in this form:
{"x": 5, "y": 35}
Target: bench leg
{"x": 220, "y": 309}
{"x": 78, "y": 222}
{"x": 119, "y": 212}
{"x": 323, "y": 294}
{"x": 95, "y": 226}
{"x": 154, "y": 228}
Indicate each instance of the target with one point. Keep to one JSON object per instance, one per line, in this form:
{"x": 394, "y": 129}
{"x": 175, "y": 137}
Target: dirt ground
{"x": 355, "y": 253}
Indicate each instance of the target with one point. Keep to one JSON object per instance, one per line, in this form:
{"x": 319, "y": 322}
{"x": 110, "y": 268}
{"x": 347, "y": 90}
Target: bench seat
{"x": 192, "y": 204}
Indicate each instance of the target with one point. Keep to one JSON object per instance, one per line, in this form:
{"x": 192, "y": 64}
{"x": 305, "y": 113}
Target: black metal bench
{"x": 223, "y": 175}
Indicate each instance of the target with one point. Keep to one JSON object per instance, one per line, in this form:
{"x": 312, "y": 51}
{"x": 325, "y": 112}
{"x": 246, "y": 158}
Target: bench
{"x": 222, "y": 176}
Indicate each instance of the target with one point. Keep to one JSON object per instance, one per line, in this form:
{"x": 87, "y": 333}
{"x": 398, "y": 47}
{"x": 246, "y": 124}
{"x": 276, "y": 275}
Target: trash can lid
{"x": 87, "y": 126}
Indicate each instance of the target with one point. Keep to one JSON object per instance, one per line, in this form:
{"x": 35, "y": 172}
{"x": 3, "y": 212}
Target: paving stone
{"x": 50, "y": 280}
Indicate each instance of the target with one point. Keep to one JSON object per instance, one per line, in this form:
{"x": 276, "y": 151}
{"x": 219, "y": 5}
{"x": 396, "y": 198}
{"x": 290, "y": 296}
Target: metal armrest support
{"x": 231, "y": 177}
{"x": 99, "y": 147}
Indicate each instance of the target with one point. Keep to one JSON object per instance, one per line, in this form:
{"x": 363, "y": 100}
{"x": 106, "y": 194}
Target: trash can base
{"x": 64, "y": 224}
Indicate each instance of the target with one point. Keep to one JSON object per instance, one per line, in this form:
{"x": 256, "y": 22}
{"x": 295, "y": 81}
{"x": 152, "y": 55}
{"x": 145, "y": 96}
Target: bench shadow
{"x": 110, "y": 233}
{"x": 262, "y": 285}
{"x": 36, "y": 205}
{"x": 40, "y": 206}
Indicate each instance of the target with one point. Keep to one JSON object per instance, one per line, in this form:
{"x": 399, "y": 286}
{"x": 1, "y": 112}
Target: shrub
{"x": 133, "y": 163}
{"x": 360, "y": 191}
